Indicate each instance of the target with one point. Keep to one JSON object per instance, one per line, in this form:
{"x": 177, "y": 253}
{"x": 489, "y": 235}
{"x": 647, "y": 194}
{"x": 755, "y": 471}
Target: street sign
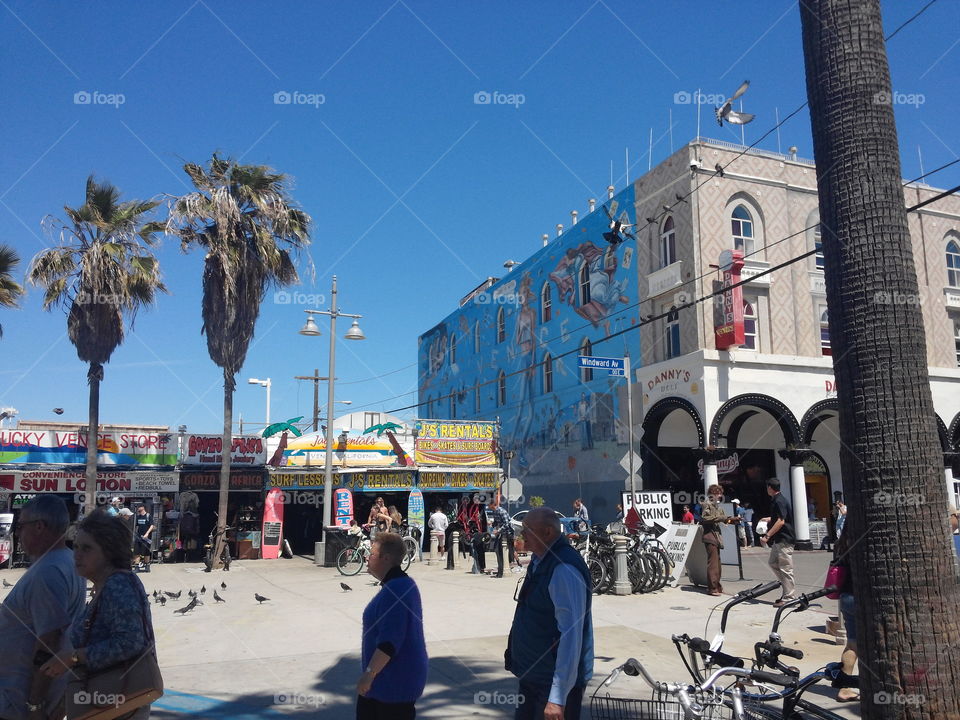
{"x": 617, "y": 373}
{"x": 602, "y": 363}
{"x": 625, "y": 462}
{"x": 652, "y": 506}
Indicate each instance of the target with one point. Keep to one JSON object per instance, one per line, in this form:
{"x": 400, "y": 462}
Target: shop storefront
{"x": 244, "y": 510}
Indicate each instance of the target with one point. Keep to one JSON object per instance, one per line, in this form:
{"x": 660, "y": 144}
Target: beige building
{"x": 776, "y": 391}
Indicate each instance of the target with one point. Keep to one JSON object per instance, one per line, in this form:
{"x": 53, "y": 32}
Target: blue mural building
{"x": 511, "y": 352}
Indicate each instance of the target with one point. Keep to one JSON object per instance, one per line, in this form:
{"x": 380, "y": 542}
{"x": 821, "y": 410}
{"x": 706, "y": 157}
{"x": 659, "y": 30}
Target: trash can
{"x": 336, "y": 539}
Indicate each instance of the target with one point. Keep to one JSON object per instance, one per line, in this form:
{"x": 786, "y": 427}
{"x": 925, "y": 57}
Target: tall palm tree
{"x": 102, "y": 272}
{"x": 907, "y": 596}
{"x": 10, "y": 289}
{"x": 244, "y": 219}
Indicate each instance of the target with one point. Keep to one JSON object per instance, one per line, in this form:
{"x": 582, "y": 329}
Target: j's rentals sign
{"x": 446, "y": 442}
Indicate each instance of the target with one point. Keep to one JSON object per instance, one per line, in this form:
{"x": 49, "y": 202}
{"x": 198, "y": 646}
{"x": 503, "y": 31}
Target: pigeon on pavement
{"x": 223, "y": 586}
{"x": 163, "y": 600}
{"x": 260, "y": 598}
{"x": 6, "y": 584}
{"x": 203, "y": 589}
{"x": 345, "y": 587}
{"x": 217, "y": 597}
{"x": 175, "y": 596}
{"x": 191, "y": 593}
{"x": 188, "y": 607}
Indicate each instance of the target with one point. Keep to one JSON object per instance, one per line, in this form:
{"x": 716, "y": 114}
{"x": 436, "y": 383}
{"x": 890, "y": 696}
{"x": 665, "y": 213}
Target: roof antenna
{"x": 650, "y": 152}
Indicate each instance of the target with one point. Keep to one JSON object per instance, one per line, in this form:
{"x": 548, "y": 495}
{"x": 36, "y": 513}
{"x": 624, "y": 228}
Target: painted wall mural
{"x": 503, "y": 354}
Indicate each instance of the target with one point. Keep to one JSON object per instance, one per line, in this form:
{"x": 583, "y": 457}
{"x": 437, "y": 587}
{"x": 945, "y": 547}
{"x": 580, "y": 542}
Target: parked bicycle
{"x": 351, "y": 560}
{"x": 649, "y": 567}
{"x": 208, "y": 549}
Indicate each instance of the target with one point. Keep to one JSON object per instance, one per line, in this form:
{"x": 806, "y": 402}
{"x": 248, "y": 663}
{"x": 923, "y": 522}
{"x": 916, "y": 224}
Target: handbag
{"x": 837, "y": 578}
{"x": 119, "y": 689}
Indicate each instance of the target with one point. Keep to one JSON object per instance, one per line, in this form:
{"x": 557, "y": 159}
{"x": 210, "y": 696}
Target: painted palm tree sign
{"x": 285, "y": 428}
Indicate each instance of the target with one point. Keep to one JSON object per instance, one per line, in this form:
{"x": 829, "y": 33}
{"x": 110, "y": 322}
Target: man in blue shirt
{"x": 393, "y": 653}
{"x": 550, "y": 648}
{"x": 502, "y": 531}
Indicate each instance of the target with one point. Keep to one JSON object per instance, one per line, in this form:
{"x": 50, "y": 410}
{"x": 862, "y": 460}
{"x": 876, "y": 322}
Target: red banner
{"x": 730, "y": 332}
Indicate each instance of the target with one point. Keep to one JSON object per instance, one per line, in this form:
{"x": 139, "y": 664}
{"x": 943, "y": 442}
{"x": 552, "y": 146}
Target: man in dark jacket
{"x": 550, "y": 648}
{"x": 393, "y": 654}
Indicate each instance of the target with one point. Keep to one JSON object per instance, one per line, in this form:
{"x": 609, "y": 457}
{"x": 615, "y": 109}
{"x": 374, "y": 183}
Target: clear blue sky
{"x": 417, "y": 192}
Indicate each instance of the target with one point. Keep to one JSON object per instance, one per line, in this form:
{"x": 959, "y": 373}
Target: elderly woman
{"x": 116, "y": 626}
{"x": 712, "y": 517}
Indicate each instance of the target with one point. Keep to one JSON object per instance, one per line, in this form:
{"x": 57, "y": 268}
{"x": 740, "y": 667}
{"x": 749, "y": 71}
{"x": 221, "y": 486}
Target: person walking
{"x": 143, "y": 522}
{"x": 711, "y": 518}
{"x": 550, "y": 647}
{"x": 780, "y": 538}
{"x": 116, "y": 627}
{"x": 37, "y": 613}
{"x": 502, "y": 532}
{"x": 393, "y": 650}
{"x": 438, "y": 523}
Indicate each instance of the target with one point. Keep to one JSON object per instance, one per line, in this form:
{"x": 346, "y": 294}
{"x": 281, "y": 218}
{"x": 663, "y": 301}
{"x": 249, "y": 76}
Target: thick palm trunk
{"x": 228, "y": 386}
{"x": 94, "y": 376}
{"x": 907, "y": 598}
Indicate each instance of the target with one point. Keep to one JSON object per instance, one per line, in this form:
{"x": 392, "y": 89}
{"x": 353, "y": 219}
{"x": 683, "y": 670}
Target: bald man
{"x": 550, "y": 648}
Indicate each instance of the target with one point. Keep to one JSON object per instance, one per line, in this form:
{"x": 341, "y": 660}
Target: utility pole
{"x": 316, "y": 395}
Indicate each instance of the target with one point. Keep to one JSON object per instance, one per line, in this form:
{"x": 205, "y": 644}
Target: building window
{"x": 501, "y": 326}
{"x": 953, "y": 264}
{"x": 548, "y": 374}
{"x": 668, "y": 245}
{"x": 742, "y": 228}
{"x": 818, "y": 246}
{"x": 749, "y": 325}
{"x": 586, "y": 374}
{"x": 453, "y": 348}
{"x": 584, "y": 284}
{"x": 672, "y": 334}
{"x": 476, "y": 399}
{"x": 546, "y": 304}
{"x": 501, "y": 389}
{"x": 956, "y": 338}
{"x": 476, "y": 336}
{"x": 824, "y": 332}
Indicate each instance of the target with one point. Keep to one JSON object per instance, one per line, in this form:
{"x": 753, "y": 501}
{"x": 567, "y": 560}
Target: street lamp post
{"x": 310, "y": 328}
{"x": 263, "y": 383}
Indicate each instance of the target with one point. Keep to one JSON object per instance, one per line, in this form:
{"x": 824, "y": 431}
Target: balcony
{"x": 664, "y": 280}
{"x": 951, "y": 296}
{"x": 752, "y": 268}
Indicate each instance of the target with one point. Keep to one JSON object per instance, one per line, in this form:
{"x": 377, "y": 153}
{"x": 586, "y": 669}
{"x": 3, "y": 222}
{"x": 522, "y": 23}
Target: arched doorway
{"x": 672, "y": 428}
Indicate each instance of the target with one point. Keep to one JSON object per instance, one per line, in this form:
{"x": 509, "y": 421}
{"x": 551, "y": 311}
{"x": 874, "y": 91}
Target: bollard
{"x": 453, "y": 549}
{"x": 434, "y": 548}
{"x": 621, "y": 585}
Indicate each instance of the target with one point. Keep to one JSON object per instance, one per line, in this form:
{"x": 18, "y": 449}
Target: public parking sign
{"x": 616, "y": 366}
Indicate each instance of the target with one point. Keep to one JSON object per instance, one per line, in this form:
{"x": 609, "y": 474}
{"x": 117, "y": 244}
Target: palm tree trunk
{"x": 94, "y": 376}
{"x": 228, "y": 386}
{"x": 908, "y": 623}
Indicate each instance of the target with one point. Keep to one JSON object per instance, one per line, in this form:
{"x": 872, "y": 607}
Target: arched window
{"x": 586, "y": 374}
{"x": 742, "y": 228}
{"x": 501, "y": 326}
{"x": 546, "y": 304}
{"x": 818, "y": 246}
{"x": 824, "y": 332}
{"x": 501, "y": 389}
{"x": 476, "y": 336}
{"x": 584, "y": 284}
{"x": 672, "y": 334}
{"x": 749, "y": 326}
{"x": 548, "y": 374}
{"x": 668, "y": 245}
{"x": 453, "y": 348}
{"x": 476, "y": 398}
{"x": 953, "y": 264}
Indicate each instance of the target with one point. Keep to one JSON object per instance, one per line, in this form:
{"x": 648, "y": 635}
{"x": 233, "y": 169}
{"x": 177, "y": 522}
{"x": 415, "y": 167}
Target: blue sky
{"x": 417, "y": 192}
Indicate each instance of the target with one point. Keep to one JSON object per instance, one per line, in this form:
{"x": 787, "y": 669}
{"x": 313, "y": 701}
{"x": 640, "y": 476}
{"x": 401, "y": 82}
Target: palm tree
{"x": 10, "y": 289}
{"x": 907, "y": 595}
{"x": 101, "y": 272}
{"x": 244, "y": 219}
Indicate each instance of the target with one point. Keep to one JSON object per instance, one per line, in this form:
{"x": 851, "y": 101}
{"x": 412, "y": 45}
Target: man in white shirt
{"x": 438, "y": 527}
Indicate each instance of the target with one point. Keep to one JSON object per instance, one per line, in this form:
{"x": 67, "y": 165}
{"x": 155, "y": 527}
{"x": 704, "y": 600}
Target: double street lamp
{"x": 354, "y": 333}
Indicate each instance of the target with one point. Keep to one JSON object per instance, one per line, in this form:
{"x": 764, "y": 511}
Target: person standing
{"x": 748, "y": 523}
{"x": 393, "y": 651}
{"x": 143, "y": 522}
{"x": 740, "y": 514}
{"x": 711, "y": 518}
{"x": 582, "y": 516}
{"x": 438, "y": 523}
{"x": 687, "y": 517}
{"x": 779, "y": 537}
{"x": 502, "y": 531}
{"x": 116, "y": 626}
{"x": 550, "y": 647}
{"x": 37, "y": 613}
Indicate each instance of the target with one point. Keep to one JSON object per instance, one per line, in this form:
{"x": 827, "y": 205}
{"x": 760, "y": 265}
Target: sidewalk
{"x": 297, "y": 655}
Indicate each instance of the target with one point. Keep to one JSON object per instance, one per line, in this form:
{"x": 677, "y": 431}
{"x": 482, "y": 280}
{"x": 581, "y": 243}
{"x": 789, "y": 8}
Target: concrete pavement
{"x": 298, "y": 653}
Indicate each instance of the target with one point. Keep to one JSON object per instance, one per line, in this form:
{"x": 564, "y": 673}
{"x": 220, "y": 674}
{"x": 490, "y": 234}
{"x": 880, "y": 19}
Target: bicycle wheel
{"x": 412, "y": 551}
{"x": 598, "y": 575}
{"x": 407, "y": 557}
{"x": 666, "y": 562}
{"x": 636, "y": 571}
{"x": 658, "y": 577}
{"x": 350, "y": 561}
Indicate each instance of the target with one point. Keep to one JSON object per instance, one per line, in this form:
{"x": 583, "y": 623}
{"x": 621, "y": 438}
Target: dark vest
{"x": 534, "y": 636}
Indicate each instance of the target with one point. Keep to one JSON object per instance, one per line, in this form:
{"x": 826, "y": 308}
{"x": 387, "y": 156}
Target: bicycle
{"x": 351, "y": 560}
{"x": 208, "y": 549}
{"x": 411, "y": 541}
{"x": 760, "y": 705}
{"x": 678, "y": 701}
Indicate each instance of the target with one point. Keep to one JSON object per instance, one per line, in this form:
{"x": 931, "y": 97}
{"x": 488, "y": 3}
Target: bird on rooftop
{"x": 719, "y": 168}
{"x": 726, "y": 111}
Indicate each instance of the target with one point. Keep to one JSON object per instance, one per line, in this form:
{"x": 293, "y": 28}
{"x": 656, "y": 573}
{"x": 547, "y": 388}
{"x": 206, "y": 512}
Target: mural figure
{"x": 525, "y": 340}
{"x": 599, "y": 299}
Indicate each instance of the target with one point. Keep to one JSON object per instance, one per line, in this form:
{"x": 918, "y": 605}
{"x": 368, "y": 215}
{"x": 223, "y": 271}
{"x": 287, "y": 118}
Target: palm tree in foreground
{"x": 101, "y": 272}
{"x": 907, "y": 595}
{"x": 244, "y": 219}
{"x": 10, "y": 289}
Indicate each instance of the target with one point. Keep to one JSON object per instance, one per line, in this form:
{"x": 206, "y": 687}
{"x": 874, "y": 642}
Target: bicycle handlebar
{"x": 743, "y": 596}
{"x": 801, "y": 603}
{"x": 633, "y": 667}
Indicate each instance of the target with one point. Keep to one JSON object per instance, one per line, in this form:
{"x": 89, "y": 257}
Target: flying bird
{"x": 719, "y": 168}
{"x": 174, "y": 596}
{"x": 726, "y": 111}
{"x": 680, "y": 198}
{"x": 217, "y": 597}
{"x": 58, "y": 411}
{"x": 188, "y": 607}
{"x": 203, "y": 589}
{"x": 223, "y": 586}
{"x": 260, "y": 598}
{"x": 345, "y": 587}
{"x": 619, "y": 226}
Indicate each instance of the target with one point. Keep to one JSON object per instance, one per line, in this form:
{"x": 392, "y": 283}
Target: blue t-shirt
{"x": 48, "y": 597}
{"x": 393, "y": 622}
